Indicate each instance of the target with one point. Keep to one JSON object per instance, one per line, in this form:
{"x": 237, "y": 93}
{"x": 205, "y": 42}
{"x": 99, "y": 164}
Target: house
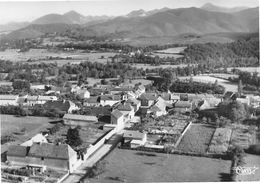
{"x": 81, "y": 120}
{"x": 64, "y": 106}
{"x": 117, "y": 90}
{"x": 37, "y": 87}
{"x": 148, "y": 99}
{"x": 159, "y": 108}
{"x": 182, "y": 106}
{"x": 243, "y": 100}
{"x": 31, "y": 100}
{"x": 60, "y": 156}
{"x": 140, "y": 90}
{"x": 92, "y": 101}
{"x": 110, "y": 99}
{"x": 135, "y": 138}
{"x": 127, "y": 110}
{"x": 81, "y": 92}
{"x": 117, "y": 118}
{"x": 38, "y": 138}
{"x": 134, "y": 103}
{"x": 8, "y": 100}
{"x": 44, "y": 99}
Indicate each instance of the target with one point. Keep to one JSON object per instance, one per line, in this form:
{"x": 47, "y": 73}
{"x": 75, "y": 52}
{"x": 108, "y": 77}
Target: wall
{"x": 76, "y": 122}
{"x": 17, "y": 160}
{"x": 182, "y": 134}
{"x": 95, "y": 147}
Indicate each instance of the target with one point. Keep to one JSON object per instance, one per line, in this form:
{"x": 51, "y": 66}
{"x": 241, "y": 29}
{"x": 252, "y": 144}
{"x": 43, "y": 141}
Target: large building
{"x": 79, "y": 120}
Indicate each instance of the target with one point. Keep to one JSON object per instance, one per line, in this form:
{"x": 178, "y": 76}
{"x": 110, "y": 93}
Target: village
{"x": 126, "y": 117}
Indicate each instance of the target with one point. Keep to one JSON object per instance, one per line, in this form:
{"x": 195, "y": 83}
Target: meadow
{"x": 137, "y": 166}
{"x": 196, "y": 139}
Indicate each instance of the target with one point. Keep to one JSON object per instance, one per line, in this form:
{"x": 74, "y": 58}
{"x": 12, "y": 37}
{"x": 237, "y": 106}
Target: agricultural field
{"x": 148, "y": 66}
{"x": 243, "y": 136}
{"x": 247, "y": 69}
{"x": 61, "y": 57}
{"x": 209, "y": 79}
{"x": 23, "y": 128}
{"x": 175, "y": 50}
{"x": 220, "y": 141}
{"x": 197, "y": 139}
{"x": 136, "y": 166}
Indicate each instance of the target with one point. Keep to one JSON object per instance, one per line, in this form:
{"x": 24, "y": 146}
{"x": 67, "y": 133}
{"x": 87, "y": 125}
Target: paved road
{"x": 101, "y": 152}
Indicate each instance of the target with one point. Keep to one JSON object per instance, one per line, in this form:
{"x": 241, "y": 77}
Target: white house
{"x": 135, "y": 138}
{"x": 38, "y": 138}
{"x": 8, "y": 100}
{"x": 127, "y": 110}
{"x": 109, "y": 99}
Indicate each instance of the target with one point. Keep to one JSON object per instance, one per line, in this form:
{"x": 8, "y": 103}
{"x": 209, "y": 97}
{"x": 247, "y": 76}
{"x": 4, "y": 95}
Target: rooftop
{"x": 80, "y": 117}
{"x": 124, "y": 107}
{"x": 17, "y": 150}
{"x": 8, "y": 97}
{"x": 48, "y": 150}
{"x": 182, "y": 104}
{"x": 117, "y": 114}
{"x": 149, "y": 96}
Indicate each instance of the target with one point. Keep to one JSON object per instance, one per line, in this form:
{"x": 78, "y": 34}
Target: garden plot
{"x": 220, "y": 141}
{"x": 197, "y": 139}
{"x": 166, "y": 130}
{"x": 242, "y": 136}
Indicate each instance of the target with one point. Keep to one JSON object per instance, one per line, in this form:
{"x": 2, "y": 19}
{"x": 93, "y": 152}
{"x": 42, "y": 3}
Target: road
{"x": 77, "y": 175}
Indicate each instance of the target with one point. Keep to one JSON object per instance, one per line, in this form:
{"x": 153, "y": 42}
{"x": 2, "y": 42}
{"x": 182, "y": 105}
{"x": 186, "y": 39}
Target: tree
{"x": 240, "y": 88}
{"x": 20, "y": 84}
{"x": 97, "y": 169}
{"x": 73, "y": 137}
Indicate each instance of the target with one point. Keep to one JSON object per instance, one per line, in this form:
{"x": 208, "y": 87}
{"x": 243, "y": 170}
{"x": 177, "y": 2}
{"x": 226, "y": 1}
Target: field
{"x": 197, "y": 139}
{"x": 134, "y": 166}
{"x": 148, "y": 66}
{"x": 209, "y": 79}
{"x": 247, "y": 69}
{"x": 11, "y": 125}
{"x": 61, "y": 57}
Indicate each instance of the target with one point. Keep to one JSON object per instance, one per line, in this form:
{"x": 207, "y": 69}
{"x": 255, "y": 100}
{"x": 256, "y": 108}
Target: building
{"x": 182, "y": 106}
{"x": 8, "y": 100}
{"x": 127, "y": 110}
{"x": 110, "y": 99}
{"x": 83, "y": 93}
{"x": 117, "y": 118}
{"x": 38, "y": 138}
{"x": 92, "y": 102}
{"x": 16, "y": 154}
{"x": 60, "y": 156}
{"x": 81, "y": 120}
{"x": 64, "y": 106}
{"x": 134, "y": 138}
{"x": 148, "y": 99}
{"x": 134, "y": 103}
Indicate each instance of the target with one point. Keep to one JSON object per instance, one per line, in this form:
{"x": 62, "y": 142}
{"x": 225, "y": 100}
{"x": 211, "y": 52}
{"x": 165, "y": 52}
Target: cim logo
{"x": 245, "y": 170}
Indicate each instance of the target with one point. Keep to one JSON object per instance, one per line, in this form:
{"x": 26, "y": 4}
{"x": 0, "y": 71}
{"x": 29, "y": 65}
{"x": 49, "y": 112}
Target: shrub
{"x": 254, "y": 149}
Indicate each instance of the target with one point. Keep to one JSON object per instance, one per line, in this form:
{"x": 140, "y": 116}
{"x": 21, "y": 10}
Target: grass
{"x": 134, "y": 166}
{"x": 210, "y": 79}
{"x": 251, "y": 161}
{"x": 220, "y": 141}
{"x": 197, "y": 139}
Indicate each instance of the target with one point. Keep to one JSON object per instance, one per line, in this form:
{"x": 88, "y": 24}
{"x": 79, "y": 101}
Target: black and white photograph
{"x": 129, "y": 91}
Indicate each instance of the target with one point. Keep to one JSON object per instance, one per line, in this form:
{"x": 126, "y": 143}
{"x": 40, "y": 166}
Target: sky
{"x": 17, "y": 11}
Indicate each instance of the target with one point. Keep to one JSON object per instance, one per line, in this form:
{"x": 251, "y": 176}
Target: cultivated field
{"x": 137, "y": 166}
{"x": 247, "y": 69}
{"x": 61, "y": 57}
{"x": 148, "y": 66}
{"x": 209, "y": 79}
{"x": 197, "y": 139}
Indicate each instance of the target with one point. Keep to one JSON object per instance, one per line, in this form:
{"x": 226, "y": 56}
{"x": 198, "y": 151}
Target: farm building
{"x": 8, "y": 100}
{"x": 81, "y": 120}
{"x": 92, "y": 101}
{"x": 135, "y": 138}
{"x": 16, "y": 154}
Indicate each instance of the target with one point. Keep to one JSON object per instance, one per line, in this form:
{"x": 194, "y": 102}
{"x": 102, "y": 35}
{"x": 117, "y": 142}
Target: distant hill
{"x": 156, "y": 23}
{"x": 212, "y": 7}
{"x": 179, "y": 21}
{"x": 71, "y": 17}
{"x": 13, "y": 26}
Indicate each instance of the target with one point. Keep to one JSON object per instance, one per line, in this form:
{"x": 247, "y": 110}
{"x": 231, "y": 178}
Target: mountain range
{"x": 159, "y": 22}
